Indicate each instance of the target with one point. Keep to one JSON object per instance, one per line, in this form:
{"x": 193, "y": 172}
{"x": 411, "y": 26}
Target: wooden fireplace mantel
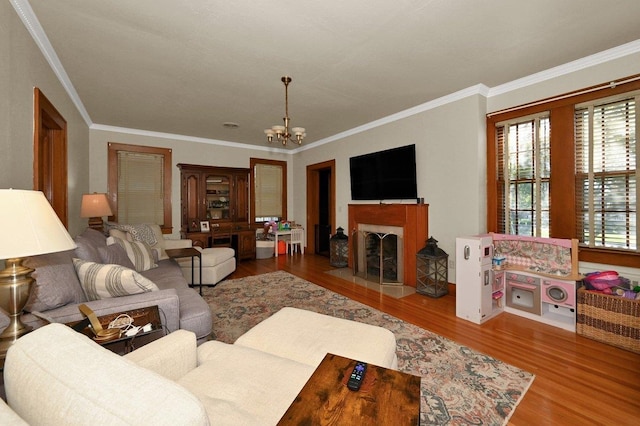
{"x": 413, "y": 218}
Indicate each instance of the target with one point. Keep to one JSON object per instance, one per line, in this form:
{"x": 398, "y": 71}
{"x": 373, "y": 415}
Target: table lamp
{"x": 95, "y": 206}
{"x": 28, "y": 227}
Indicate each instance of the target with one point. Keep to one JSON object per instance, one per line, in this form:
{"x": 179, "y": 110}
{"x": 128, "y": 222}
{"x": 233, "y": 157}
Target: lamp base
{"x": 15, "y": 286}
{"x": 96, "y": 223}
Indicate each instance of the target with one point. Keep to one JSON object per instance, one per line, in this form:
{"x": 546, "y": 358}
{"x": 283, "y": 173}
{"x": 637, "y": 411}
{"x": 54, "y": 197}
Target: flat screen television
{"x": 384, "y": 175}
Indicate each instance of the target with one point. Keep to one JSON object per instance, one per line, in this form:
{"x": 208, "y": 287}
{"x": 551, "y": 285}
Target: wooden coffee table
{"x": 386, "y": 397}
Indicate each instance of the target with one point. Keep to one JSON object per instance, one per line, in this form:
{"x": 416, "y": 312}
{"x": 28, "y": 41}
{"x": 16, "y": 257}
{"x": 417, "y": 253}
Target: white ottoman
{"x": 306, "y": 337}
{"x": 217, "y": 263}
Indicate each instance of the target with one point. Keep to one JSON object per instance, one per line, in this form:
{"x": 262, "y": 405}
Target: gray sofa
{"x": 57, "y": 293}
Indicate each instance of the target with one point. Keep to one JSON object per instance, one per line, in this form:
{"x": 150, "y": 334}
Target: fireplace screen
{"x": 379, "y": 256}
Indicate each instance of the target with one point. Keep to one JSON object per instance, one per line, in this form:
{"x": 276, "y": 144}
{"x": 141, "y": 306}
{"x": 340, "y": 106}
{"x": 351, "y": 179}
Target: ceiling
{"x": 187, "y": 67}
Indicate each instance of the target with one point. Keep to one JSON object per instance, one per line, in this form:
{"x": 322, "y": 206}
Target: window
{"x": 565, "y": 167}
{"x": 606, "y": 173}
{"x": 140, "y": 184}
{"x": 269, "y": 190}
{"x": 524, "y": 172}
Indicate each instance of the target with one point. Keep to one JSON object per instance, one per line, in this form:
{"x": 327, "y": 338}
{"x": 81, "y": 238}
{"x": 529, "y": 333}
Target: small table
{"x": 188, "y": 252}
{"x": 126, "y": 344}
{"x": 279, "y": 232}
{"x": 386, "y": 397}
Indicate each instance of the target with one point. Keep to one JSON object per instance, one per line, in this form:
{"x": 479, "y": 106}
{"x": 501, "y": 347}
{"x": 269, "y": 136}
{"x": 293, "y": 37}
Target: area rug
{"x": 459, "y": 385}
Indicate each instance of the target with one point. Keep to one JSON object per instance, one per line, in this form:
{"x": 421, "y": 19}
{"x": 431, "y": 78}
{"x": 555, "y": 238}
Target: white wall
{"x": 184, "y": 150}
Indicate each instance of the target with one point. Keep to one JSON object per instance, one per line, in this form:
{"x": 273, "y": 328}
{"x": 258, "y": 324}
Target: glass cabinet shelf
{"x": 218, "y": 189}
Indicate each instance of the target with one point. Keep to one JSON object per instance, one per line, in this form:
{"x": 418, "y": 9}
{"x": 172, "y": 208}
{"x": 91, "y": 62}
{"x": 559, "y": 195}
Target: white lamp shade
{"x": 95, "y": 205}
{"x": 29, "y": 226}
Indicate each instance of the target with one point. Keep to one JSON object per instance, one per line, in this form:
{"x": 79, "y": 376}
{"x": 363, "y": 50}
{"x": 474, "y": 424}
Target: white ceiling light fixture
{"x": 282, "y": 133}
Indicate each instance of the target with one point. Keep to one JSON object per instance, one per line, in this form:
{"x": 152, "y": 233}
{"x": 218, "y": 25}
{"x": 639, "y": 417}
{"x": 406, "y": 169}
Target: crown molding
{"x": 30, "y": 21}
{"x": 174, "y": 136}
{"x": 568, "y": 68}
{"x": 478, "y": 89}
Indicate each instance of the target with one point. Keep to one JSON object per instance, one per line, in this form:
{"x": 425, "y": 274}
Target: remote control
{"x": 357, "y": 376}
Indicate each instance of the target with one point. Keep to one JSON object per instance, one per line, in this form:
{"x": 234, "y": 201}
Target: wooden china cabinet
{"x": 219, "y": 195}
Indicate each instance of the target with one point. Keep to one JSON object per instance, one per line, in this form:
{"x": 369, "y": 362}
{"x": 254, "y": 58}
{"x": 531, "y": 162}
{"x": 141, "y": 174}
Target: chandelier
{"x": 282, "y": 133}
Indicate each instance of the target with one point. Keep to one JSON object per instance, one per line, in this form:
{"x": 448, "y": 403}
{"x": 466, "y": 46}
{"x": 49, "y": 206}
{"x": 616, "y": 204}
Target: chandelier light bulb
{"x": 269, "y": 133}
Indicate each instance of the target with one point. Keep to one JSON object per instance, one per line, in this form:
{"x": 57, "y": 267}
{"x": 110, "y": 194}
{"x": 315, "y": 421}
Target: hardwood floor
{"x": 578, "y": 380}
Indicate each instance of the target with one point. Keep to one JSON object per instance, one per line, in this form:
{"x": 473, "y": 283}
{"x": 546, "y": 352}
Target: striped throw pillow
{"x": 102, "y": 281}
{"x": 138, "y": 252}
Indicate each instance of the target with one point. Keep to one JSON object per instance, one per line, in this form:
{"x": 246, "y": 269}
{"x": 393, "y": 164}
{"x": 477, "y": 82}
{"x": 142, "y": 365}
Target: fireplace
{"x": 404, "y": 223}
{"x": 379, "y": 253}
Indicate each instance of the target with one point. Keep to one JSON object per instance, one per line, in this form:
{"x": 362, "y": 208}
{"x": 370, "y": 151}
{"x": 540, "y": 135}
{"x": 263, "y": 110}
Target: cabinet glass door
{"x": 218, "y": 193}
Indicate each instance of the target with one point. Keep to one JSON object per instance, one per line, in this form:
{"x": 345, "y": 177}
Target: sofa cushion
{"x": 166, "y": 275}
{"x": 101, "y": 281}
{"x": 115, "y": 254}
{"x": 56, "y": 281}
{"x": 235, "y": 393}
{"x": 55, "y": 375}
{"x": 138, "y": 252}
{"x": 287, "y": 333}
{"x": 210, "y": 257}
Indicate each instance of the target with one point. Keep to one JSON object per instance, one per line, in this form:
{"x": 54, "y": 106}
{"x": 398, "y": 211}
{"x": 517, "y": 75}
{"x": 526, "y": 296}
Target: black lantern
{"x": 339, "y": 249}
{"x": 432, "y": 270}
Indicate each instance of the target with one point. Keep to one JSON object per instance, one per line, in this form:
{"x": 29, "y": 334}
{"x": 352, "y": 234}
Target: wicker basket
{"x": 609, "y": 319}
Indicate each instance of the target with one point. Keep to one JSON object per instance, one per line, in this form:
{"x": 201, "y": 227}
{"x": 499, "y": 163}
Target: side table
{"x": 386, "y": 397}
{"x": 188, "y": 252}
{"x": 126, "y": 344}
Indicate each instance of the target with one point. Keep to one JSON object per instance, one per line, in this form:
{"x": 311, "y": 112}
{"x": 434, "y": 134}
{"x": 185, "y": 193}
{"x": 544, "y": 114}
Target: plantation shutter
{"x": 140, "y": 188}
{"x": 606, "y": 174}
{"x": 268, "y": 190}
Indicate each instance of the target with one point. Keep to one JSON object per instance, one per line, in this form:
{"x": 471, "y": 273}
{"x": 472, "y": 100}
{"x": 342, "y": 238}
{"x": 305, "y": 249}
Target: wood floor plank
{"x": 578, "y": 380}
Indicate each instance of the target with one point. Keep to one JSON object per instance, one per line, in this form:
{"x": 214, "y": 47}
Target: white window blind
{"x": 606, "y": 173}
{"x": 140, "y": 188}
{"x": 524, "y": 172}
{"x": 268, "y": 190}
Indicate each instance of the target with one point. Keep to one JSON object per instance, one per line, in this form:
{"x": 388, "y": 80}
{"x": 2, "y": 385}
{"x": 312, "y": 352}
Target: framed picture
{"x": 204, "y": 226}
{"x": 193, "y": 225}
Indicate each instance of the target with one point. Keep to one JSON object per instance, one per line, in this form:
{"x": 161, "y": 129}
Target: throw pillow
{"x": 86, "y": 249}
{"x": 116, "y": 255}
{"x": 56, "y": 283}
{"x": 139, "y": 253}
{"x": 101, "y": 281}
{"x": 97, "y": 238}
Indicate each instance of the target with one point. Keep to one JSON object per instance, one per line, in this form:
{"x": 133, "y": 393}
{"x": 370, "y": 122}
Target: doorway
{"x": 50, "y": 154}
{"x": 321, "y": 215}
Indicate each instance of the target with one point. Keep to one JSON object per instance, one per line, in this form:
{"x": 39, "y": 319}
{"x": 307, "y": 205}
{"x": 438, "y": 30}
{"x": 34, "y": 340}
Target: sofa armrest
{"x": 175, "y": 244}
{"x": 167, "y": 301}
{"x": 55, "y": 375}
{"x": 172, "y": 356}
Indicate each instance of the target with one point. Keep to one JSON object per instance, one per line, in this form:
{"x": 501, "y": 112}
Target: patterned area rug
{"x": 459, "y": 385}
